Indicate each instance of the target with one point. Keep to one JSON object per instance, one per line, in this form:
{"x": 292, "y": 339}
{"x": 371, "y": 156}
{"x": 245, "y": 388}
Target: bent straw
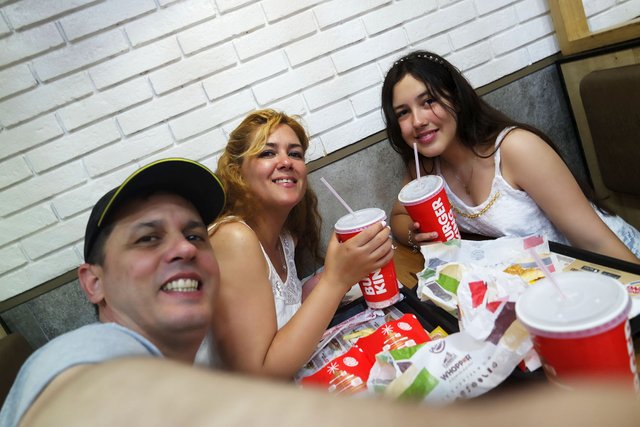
{"x": 335, "y": 193}
{"x": 546, "y": 272}
{"x": 415, "y": 154}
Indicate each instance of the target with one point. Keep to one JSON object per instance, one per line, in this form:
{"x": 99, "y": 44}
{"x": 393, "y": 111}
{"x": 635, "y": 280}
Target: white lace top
{"x": 511, "y": 212}
{"x": 287, "y": 297}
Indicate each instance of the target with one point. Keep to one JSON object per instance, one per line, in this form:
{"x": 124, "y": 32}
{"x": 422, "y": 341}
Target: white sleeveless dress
{"x": 287, "y": 297}
{"x": 511, "y": 212}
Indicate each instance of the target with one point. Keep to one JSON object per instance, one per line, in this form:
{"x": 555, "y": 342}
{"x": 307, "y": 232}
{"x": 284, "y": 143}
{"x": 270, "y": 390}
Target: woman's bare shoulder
{"x": 523, "y": 143}
{"x": 234, "y": 233}
{"x": 522, "y": 147}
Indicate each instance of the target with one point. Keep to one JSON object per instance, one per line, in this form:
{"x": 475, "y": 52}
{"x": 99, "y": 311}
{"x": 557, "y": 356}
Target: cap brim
{"x": 184, "y": 177}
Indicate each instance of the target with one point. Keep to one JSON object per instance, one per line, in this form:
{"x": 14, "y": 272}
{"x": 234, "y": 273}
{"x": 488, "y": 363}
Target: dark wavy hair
{"x": 478, "y": 123}
{"x": 248, "y": 139}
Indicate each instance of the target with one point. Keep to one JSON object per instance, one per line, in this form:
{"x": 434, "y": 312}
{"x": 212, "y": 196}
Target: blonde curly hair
{"x": 247, "y": 140}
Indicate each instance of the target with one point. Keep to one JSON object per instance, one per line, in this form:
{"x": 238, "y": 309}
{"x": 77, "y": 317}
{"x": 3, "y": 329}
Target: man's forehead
{"x": 150, "y": 206}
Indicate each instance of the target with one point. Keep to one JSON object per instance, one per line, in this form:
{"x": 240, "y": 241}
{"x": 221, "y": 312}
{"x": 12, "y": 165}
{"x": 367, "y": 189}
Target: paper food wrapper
{"x": 491, "y": 344}
{"x": 479, "y": 282}
{"x": 349, "y": 372}
{"x": 446, "y": 264}
{"x": 453, "y": 368}
{"x": 338, "y": 339}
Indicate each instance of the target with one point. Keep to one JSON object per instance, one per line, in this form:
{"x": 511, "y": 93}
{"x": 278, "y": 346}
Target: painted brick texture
{"x": 92, "y": 89}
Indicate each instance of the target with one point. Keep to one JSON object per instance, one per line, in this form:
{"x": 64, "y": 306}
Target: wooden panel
{"x": 573, "y": 72}
{"x": 572, "y": 29}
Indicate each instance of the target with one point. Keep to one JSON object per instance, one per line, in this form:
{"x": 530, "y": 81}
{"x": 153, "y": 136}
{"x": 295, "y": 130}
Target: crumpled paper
{"x": 452, "y": 368}
{"x": 478, "y": 281}
{"x": 447, "y": 262}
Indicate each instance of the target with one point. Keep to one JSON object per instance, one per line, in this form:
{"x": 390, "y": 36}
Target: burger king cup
{"x": 427, "y": 203}
{"x": 582, "y": 331}
{"x": 380, "y": 287}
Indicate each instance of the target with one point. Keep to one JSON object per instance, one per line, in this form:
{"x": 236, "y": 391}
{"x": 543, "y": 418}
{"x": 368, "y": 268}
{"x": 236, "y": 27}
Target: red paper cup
{"x": 426, "y": 202}
{"x": 584, "y": 335}
{"x": 380, "y": 288}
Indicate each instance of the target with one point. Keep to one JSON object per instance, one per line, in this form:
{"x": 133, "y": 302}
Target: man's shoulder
{"x": 93, "y": 343}
{"x": 101, "y": 337}
{"x": 89, "y": 344}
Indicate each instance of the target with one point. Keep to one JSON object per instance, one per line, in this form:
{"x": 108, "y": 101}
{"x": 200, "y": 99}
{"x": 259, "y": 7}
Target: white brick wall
{"x": 25, "y": 44}
{"x": 27, "y": 222}
{"x": 16, "y": 79}
{"x": 92, "y": 89}
{"x": 73, "y": 57}
{"x": 102, "y": 16}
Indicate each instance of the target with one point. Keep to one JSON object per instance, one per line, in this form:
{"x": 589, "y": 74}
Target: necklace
{"x": 280, "y": 251}
{"x": 468, "y": 183}
{"x": 481, "y": 212}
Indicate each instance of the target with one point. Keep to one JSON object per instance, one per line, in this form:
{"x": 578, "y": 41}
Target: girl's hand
{"x": 417, "y": 238}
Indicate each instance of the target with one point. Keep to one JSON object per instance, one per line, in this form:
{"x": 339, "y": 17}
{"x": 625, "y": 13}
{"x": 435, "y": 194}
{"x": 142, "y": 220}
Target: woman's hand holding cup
{"x": 349, "y": 261}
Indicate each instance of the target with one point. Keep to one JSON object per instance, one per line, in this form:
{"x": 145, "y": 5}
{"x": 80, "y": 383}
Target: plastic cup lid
{"x": 420, "y": 189}
{"x": 359, "y": 220}
{"x": 593, "y": 301}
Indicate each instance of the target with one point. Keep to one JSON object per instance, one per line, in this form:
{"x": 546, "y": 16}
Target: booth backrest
{"x": 611, "y": 100}
{"x": 14, "y": 350}
{"x": 603, "y": 87}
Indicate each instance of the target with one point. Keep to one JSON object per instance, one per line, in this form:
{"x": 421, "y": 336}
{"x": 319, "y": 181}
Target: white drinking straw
{"x": 546, "y": 272}
{"x": 415, "y": 154}
{"x": 335, "y": 193}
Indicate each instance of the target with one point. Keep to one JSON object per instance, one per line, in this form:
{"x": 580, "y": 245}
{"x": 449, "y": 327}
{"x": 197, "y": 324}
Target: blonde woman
{"x": 261, "y": 324}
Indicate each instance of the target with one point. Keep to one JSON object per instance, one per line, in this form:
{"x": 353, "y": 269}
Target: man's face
{"x": 159, "y": 272}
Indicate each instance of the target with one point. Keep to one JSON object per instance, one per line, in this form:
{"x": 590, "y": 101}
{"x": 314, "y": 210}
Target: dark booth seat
{"x": 14, "y": 350}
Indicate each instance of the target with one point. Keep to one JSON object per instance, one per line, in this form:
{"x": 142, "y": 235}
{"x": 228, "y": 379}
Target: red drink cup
{"x": 584, "y": 335}
{"x": 426, "y": 202}
{"x": 380, "y": 288}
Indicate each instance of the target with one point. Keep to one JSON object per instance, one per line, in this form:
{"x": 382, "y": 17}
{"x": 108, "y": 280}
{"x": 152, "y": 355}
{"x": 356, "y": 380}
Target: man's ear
{"x": 90, "y": 277}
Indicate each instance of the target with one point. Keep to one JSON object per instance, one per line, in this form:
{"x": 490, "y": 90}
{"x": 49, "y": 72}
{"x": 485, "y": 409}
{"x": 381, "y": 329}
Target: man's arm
{"x": 157, "y": 392}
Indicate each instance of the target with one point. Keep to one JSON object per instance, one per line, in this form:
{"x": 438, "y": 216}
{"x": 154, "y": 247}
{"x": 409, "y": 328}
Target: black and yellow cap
{"x": 184, "y": 177}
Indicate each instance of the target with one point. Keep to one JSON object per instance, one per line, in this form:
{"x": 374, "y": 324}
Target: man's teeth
{"x": 283, "y": 180}
{"x": 181, "y": 285}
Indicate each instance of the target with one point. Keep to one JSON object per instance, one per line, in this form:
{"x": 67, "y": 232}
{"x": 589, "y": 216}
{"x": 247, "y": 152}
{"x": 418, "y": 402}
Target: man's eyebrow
{"x": 155, "y": 224}
{"x": 147, "y": 224}
{"x": 195, "y": 224}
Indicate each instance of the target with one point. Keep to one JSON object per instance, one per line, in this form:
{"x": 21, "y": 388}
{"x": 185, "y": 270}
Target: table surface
{"x": 408, "y": 263}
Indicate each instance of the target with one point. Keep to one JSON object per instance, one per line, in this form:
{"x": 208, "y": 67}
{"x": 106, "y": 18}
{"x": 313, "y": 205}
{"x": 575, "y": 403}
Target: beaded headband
{"x": 430, "y": 57}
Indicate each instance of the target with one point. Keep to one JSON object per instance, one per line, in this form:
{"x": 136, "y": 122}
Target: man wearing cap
{"x": 150, "y": 270}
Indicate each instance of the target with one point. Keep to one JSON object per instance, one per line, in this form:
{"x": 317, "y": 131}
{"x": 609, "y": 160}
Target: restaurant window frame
{"x": 573, "y": 33}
